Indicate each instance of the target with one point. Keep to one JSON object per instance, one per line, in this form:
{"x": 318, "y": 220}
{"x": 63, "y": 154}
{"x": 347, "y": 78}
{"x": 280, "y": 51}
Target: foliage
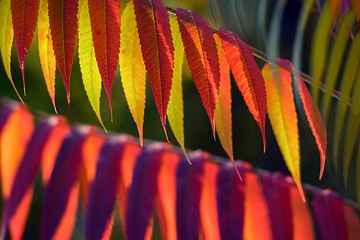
{"x": 157, "y": 190}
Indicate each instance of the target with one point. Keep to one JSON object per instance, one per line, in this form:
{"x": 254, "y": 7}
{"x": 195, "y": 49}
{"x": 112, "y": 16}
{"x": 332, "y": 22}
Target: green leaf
{"x": 336, "y": 59}
{"x": 347, "y": 82}
{"x": 319, "y": 50}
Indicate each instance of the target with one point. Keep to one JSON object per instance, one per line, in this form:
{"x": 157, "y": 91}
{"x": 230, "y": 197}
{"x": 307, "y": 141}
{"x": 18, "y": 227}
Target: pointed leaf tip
{"x": 157, "y": 49}
{"x": 201, "y": 54}
{"x": 247, "y": 76}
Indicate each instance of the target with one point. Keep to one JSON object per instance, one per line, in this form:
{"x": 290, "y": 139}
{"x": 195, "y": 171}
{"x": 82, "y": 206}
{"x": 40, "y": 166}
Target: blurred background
{"x": 246, "y": 135}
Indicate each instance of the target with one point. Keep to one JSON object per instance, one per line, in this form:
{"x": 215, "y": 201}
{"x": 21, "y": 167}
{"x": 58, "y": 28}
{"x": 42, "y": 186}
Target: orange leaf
{"x": 202, "y": 56}
{"x": 63, "y": 25}
{"x": 316, "y": 123}
{"x": 15, "y": 136}
{"x": 24, "y": 17}
{"x": 105, "y": 26}
{"x": 247, "y": 77}
{"x": 283, "y": 118}
{"x": 157, "y": 49}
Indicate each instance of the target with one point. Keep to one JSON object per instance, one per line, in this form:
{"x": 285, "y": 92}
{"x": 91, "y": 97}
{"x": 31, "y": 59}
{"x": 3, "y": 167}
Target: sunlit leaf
{"x": 29, "y": 165}
{"x": 104, "y": 190}
{"x": 132, "y": 68}
{"x": 88, "y": 66}
{"x": 315, "y": 121}
{"x": 157, "y": 49}
{"x": 6, "y": 39}
{"x": 347, "y": 82}
{"x": 24, "y": 17}
{"x": 62, "y": 191}
{"x": 46, "y": 51}
{"x": 283, "y": 117}
{"x": 201, "y": 54}
{"x": 223, "y": 116}
{"x": 63, "y": 26}
{"x": 175, "y": 110}
{"x": 319, "y": 50}
{"x": 335, "y": 61}
{"x": 15, "y": 136}
{"x": 247, "y": 77}
{"x": 105, "y": 26}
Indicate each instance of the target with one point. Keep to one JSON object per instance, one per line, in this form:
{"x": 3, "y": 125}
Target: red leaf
{"x": 105, "y": 26}
{"x": 256, "y": 211}
{"x": 157, "y": 49}
{"x": 24, "y": 17}
{"x": 277, "y": 194}
{"x": 316, "y": 123}
{"x": 201, "y": 53}
{"x": 28, "y": 168}
{"x": 208, "y": 208}
{"x": 329, "y": 215}
{"x": 104, "y": 189}
{"x": 15, "y": 136}
{"x": 143, "y": 192}
{"x": 63, "y": 25}
{"x": 247, "y": 76}
{"x": 231, "y": 202}
{"x": 60, "y": 198}
{"x": 188, "y": 194}
{"x": 166, "y": 199}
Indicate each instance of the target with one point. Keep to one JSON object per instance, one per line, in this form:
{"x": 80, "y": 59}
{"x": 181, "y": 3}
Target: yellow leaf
{"x": 88, "y": 66}
{"x": 132, "y": 68}
{"x": 6, "y": 39}
{"x": 46, "y": 51}
{"x": 175, "y": 110}
{"x": 283, "y": 118}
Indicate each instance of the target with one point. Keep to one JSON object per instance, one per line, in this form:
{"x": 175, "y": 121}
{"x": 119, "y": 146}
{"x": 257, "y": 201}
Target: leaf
{"x": 223, "y": 116}
{"x": 6, "y": 39}
{"x": 315, "y": 121}
{"x": 15, "y": 136}
{"x": 201, "y": 54}
{"x": 61, "y": 193}
{"x": 88, "y": 66}
{"x": 256, "y": 215}
{"x": 24, "y": 17}
{"x": 132, "y": 68}
{"x": 166, "y": 203}
{"x": 208, "y": 204}
{"x": 352, "y": 128}
{"x": 175, "y": 110}
{"x": 356, "y": 6}
{"x": 230, "y": 202}
{"x": 103, "y": 190}
{"x": 319, "y": 50}
{"x": 336, "y": 59}
{"x": 347, "y": 81}
{"x": 277, "y": 195}
{"x": 46, "y": 51}
{"x": 63, "y": 26}
{"x": 188, "y": 194}
{"x": 283, "y": 118}
{"x": 105, "y": 26}
{"x": 28, "y": 167}
{"x": 143, "y": 192}
{"x": 157, "y": 49}
{"x": 247, "y": 77}
{"x": 328, "y": 213}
